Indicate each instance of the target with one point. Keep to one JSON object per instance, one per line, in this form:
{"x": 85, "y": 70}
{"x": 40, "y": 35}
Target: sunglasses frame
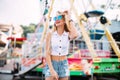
{"x": 58, "y": 17}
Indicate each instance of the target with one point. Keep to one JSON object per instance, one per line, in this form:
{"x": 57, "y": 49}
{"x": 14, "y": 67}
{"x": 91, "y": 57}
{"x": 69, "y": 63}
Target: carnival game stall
{"x": 91, "y": 53}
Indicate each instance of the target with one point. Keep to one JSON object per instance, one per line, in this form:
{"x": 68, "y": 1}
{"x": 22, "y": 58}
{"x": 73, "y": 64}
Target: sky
{"x": 19, "y": 11}
{"x": 29, "y": 11}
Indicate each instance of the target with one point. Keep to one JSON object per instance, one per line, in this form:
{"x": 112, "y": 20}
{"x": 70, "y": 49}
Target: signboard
{"x": 84, "y": 53}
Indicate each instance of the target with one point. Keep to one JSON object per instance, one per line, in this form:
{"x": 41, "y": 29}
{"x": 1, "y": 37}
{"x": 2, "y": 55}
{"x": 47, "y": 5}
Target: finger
{"x": 56, "y": 78}
{"x": 66, "y": 12}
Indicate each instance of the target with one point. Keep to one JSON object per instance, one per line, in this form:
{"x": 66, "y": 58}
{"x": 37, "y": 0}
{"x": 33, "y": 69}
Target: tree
{"x": 28, "y": 29}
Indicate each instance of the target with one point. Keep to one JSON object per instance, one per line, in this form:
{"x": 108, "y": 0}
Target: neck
{"x": 60, "y": 30}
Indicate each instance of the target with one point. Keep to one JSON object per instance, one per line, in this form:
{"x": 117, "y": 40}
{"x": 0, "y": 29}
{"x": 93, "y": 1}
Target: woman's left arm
{"x": 71, "y": 26}
{"x": 73, "y": 31}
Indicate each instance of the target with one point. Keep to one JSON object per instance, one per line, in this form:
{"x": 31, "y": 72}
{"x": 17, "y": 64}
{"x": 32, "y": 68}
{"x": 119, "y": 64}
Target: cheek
{"x": 62, "y": 20}
{"x": 60, "y": 23}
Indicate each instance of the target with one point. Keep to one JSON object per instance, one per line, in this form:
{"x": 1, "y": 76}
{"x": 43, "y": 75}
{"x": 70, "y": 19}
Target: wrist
{"x": 51, "y": 69}
{"x": 67, "y": 17}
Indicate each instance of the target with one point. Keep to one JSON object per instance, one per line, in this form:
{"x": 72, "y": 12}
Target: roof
{"x": 5, "y": 27}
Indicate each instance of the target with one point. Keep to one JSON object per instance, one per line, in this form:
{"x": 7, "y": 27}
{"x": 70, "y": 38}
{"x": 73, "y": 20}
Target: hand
{"x": 67, "y": 15}
{"x": 54, "y": 74}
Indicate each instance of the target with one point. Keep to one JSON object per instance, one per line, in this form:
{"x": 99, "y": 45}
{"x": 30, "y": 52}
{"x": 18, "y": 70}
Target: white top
{"x": 59, "y": 44}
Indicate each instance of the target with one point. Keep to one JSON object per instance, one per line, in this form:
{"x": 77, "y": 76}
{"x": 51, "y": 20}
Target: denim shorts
{"x": 61, "y": 67}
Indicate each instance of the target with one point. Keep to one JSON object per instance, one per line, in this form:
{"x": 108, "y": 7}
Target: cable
{"x": 108, "y": 3}
{"x": 41, "y": 20}
{"x": 84, "y": 6}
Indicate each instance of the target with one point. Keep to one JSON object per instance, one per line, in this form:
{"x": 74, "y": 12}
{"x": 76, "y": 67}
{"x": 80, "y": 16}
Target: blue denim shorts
{"x": 61, "y": 67}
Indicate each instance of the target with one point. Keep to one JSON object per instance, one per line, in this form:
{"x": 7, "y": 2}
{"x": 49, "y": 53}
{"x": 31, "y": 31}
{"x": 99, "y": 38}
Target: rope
{"x": 109, "y": 3}
{"x": 46, "y": 26}
{"x": 85, "y": 6}
{"x": 41, "y": 20}
{"x": 90, "y": 1}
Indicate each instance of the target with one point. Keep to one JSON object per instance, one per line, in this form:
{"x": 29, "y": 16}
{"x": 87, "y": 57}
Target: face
{"x": 59, "y": 21}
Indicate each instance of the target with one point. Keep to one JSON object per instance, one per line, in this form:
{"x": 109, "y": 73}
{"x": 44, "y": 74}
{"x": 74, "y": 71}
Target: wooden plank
{"x": 83, "y": 30}
{"x": 47, "y": 22}
{"x": 112, "y": 42}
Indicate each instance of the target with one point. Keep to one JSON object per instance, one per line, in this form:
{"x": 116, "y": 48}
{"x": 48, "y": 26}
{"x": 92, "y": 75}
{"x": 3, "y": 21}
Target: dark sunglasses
{"x": 58, "y": 17}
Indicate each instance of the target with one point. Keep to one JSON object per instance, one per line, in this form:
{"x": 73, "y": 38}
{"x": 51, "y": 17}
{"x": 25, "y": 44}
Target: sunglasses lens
{"x": 58, "y": 18}
{"x": 55, "y": 18}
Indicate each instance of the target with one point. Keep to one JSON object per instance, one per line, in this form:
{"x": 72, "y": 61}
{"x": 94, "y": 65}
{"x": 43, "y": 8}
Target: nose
{"x": 57, "y": 21}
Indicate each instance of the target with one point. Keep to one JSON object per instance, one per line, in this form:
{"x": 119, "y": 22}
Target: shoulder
{"x": 66, "y": 33}
{"x": 49, "y": 34}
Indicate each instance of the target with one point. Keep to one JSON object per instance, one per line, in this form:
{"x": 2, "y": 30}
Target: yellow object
{"x": 96, "y": 59}
{"x": 84, "y": 33}
{"x": 112, "y": 42}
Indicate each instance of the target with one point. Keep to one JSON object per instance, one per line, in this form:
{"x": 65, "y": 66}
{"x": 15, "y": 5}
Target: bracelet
{"x": 70, "y": 20}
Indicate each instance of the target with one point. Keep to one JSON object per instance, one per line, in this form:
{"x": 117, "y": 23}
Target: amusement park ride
{"x": 82, "y": 61}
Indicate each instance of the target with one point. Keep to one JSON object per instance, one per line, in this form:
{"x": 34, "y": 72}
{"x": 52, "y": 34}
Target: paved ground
{"x": 10, "y": 77}
{"x": 5, "y": 77}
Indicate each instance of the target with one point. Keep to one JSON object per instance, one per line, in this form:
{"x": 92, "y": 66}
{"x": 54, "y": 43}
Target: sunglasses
{"x": 58, "y": 17}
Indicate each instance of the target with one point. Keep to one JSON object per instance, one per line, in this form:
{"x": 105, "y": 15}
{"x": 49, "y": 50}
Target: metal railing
{"x": 102, "y": 47}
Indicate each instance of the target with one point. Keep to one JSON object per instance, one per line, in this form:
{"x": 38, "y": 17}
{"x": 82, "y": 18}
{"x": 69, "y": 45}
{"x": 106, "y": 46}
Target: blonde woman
{"x": 57, "y": 44}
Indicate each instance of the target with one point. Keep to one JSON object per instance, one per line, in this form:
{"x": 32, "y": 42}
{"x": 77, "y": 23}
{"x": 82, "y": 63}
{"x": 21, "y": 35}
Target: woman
{"x": 57, "y": 44}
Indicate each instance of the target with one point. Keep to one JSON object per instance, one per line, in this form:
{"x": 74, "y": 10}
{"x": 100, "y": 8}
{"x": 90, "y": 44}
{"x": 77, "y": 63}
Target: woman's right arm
{"x": 48, "y": 56}
{"x": 48, "y": 51}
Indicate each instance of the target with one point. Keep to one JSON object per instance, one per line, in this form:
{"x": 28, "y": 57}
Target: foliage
{"x": 28, "y": 29}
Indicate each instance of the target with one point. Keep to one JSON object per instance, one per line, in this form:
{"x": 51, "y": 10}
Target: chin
{"x": 59, "y": 24}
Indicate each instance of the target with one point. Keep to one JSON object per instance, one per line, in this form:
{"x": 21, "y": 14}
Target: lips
{"x": 57, "y": 21}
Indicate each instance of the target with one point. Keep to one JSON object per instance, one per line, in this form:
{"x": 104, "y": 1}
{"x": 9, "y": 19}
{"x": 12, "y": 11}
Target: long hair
{"x": 65, "y": 25}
